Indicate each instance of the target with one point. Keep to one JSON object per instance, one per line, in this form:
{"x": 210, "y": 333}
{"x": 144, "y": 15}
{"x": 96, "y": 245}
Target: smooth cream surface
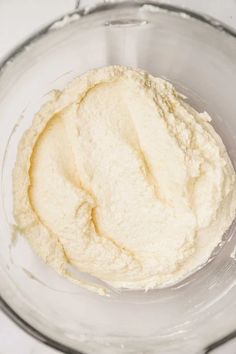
{"x": 123, "y": 180}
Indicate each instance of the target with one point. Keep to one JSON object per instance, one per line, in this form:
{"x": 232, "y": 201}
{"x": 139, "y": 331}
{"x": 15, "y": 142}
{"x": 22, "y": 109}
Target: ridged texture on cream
{"x": 120, "y": 178}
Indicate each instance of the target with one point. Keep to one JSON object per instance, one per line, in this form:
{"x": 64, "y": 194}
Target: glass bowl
{"x": 198, "y": 55}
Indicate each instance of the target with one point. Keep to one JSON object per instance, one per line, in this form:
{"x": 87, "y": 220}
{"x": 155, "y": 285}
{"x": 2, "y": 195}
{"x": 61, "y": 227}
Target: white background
{"x": 19, "y": 18}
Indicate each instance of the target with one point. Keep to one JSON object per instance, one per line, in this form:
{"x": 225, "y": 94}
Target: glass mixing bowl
{"x": 198, "y": 55}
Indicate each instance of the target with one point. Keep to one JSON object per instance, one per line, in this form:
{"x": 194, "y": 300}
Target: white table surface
{"x": 18, "y": 18}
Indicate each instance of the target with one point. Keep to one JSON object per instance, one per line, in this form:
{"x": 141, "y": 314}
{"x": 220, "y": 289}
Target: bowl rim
{"x": 17, "y": 50}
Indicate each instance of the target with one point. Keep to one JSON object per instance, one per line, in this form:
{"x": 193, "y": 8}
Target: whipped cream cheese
{"x": 118, "y": 177}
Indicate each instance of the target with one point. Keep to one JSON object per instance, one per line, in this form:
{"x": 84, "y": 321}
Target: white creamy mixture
{"x": 123, "y": 180}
